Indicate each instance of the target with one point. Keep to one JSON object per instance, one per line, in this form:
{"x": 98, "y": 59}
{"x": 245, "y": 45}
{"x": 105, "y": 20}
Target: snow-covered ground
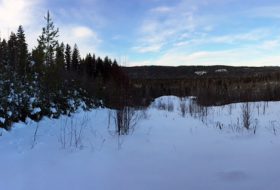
{"x": 166, "y": 149}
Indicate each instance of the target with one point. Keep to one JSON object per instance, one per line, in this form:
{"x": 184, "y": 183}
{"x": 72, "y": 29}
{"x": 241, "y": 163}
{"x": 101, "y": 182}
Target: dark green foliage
{"x": 59, "y": 57}
{"x": 68, "y": 57}
{"x": 12, "y": 52}
{"x": 236, "y": 84}
{"x": 3, "y": 55}
{"x": 23, "y": 62}
{"x": 75, "y": 59}
{"x": 50, "y": 81}
{"x": 38, "y": 57}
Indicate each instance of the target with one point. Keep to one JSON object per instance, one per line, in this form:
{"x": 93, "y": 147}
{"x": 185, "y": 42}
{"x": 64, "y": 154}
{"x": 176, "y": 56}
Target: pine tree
{"x": 59, "y": 57}
{"x": 99, "y": 67}
{"x": 107, "y": 68}
{"x": 3, "y": 54}
{"x": 88, "y": 65}
{"x": 23, "y": 62}
{"x": 38, "y": 57}
{"x": 48, "y": 40}
{"x": 12, "y": 53}
{"x": 68, "y": 57}
{"x": 75, "y": 58}
{"x": 93, "y": 63}
{"x": 1, "y": 57}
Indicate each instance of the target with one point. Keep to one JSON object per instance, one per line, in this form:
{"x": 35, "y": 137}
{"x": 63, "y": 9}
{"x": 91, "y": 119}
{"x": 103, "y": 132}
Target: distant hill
{"x": 212, "y": 85}
{"x": 184, "y": 72}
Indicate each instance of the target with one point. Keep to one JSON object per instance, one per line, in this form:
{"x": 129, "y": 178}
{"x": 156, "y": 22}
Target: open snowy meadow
{"x": 172, "y": 144}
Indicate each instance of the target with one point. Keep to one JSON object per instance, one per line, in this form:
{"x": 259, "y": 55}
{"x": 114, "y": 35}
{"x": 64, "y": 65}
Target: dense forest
{"x": 53, "y": 78}
{"x": 212, "y": 85}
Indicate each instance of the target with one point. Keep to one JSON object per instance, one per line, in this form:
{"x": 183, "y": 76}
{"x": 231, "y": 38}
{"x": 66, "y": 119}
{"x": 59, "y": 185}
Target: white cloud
{"x": 30, "y": 14}
{"x": 246, "y": 56}
{"x": 162, "y": 9}
{"x": 83, "y": 32}
{"x": 254, "y": 35}
{"x": 270, "y": 44}
{"x": 159, "y": 31}
{"x": 86, "y": 38}
{"x": 17, "y": 12}
{"x": 148, "y": 49}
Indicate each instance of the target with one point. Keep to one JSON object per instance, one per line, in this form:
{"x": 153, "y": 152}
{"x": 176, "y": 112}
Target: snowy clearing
{"x": 174, "y": 144}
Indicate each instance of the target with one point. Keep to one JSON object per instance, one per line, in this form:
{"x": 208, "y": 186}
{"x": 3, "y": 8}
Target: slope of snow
{"x": 205, "y": 149}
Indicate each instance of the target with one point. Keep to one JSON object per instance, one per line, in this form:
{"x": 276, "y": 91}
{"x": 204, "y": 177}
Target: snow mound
{"x": 221, "y": 71}
{"x": 200, "y": 73}
{"x": 36, "y": 110}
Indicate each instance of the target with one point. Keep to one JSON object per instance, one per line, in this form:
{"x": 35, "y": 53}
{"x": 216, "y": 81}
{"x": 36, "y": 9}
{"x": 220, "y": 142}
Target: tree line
{"x": 52, "y": 79}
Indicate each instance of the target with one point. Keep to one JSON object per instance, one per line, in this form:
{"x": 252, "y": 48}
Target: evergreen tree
{"x": 3, "y": 54}
{"x": 93, "y": 65}
{"x": 38, "y": 57}
{"x": 12, "y": 52}
{"x": 48, "y": 40}
{"x": 107, "y": 68}
{"x": 59, "y": 57}
{"x": 23, "y": 62}
{"x": 89, "y": 65}
{"x": 68, "y": 57}
{"x": 99, "y": 67}
{"x": 75, "y": 58}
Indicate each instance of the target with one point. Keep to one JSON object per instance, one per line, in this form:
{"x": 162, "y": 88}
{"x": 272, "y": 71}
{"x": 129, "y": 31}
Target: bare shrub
{"x": 183, "y": 107}
{"x": 230, "y": 109}
{"x": 219, "y": 125}
{"x": 34, "y": 142}
{"x": 265, "y": 106}
{"x": 273, "y": 127}
{"x": 246, "y": 115}
{"x": 255, "y": 126}
{"x": 258, "y": 108}
{"x": 170, "y": 106}
{"x": 236, "y": 127}
{"x": 71, "y": 133}
{"x": 109, "y": 118}
{"x": 125, "y": 120}
{"x": 192, "y": 106}
{"x": 161, "y": 105}
{"x": 143, "y": 114}
{"x": 198, "y": 111}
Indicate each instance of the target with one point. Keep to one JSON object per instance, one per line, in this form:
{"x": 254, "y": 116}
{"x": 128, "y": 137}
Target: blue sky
{"x": 158, "y": 32}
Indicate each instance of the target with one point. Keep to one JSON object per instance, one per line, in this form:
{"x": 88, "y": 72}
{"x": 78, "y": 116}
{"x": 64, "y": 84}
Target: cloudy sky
{"x": 158, "y": 32}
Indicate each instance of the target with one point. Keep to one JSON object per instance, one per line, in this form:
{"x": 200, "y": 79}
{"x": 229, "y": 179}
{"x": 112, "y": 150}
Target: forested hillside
{"x": 212, "y": 85}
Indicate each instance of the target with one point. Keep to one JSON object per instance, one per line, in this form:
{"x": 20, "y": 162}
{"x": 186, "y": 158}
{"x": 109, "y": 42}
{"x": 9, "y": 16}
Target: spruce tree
{"x": 38, "y": 57}
{"x": 48, "y": 40}
{"x": 93, "y": 63}
{"x": 12, "y": 53}
{"x": 23, "y": 62}
{"x": 99, "y": 67}
{"x": 68, "y": 57}
{"x": 88, "y": 65}
{"x": 75, "y": 58}
{"x": 107, "y": 68}
{"x": 59, "y": 57}
{"x": 3, "y": 54}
